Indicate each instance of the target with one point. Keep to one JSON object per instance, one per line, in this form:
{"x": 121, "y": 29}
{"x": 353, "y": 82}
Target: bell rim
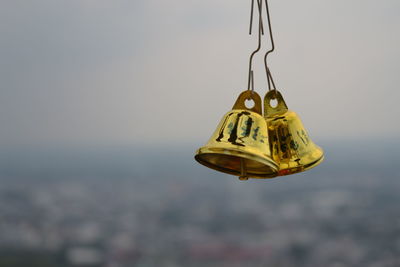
{"x": 314, "y": 163}
{"x": 304, "y": 167}
{"x": 236, "y": 152}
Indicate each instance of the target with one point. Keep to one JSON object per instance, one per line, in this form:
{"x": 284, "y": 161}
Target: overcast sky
{"x": 127, "y": 71}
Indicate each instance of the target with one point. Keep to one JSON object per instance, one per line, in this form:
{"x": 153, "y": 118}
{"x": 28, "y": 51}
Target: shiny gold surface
{"x": 240, "y": 144}
{"x": 290, "y": 144}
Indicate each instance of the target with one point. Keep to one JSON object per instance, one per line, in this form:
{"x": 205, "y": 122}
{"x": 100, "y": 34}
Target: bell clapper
{"x": 243, "y": 174}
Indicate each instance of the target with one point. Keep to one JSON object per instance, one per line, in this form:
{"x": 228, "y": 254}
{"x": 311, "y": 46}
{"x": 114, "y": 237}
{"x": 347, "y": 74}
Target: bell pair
{"x": 250, "y": 144}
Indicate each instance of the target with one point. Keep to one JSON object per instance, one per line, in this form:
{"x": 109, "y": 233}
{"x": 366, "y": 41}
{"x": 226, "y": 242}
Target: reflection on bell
{"x": 240, "y": 145}
{"x": 290, "y": 144}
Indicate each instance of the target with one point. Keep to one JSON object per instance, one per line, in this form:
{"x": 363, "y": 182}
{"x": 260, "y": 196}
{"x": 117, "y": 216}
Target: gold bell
{"x": 240, "y": 145}
{"x": 290, "y": 144}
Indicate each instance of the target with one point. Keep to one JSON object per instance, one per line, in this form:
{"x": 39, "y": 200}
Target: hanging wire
{"x": 252, "y": 15}
{"x": 270, "y": 79}
{"x": 250, "y": 83}
{"x": 267, "y": 70}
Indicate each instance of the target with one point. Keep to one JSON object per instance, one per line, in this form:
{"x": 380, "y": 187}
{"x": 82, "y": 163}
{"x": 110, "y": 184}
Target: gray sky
{"x": 127, "y": 72}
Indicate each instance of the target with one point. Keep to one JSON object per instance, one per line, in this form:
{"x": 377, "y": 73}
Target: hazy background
{"x": 103, "y": 104}
{"x": 118, "y": 72}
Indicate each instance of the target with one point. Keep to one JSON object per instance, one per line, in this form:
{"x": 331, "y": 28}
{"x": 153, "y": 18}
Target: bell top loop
{"x": 247, "y": 95}
{"x": 281, "y": 106}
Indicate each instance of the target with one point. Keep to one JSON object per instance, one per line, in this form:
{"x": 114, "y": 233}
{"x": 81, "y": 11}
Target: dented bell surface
{"x": 240, "y": 144}
{"x": 290, "y": 144}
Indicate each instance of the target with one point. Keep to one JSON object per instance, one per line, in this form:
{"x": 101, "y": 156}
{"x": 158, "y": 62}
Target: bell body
{"x": 240, "y": 144}
{"x": 290, "y": 144}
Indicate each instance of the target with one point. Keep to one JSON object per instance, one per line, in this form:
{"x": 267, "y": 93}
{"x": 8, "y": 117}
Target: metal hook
{"x": 269, "y": 75}
{"x": 260, "y": 32}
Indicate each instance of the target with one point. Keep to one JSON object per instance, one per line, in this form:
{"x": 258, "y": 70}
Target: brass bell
{"x": 290, "y": 144}
{"x": 240, "y": 144}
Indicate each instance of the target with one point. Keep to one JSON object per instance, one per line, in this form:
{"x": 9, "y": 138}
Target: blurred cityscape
{"x": 150, "y": 207}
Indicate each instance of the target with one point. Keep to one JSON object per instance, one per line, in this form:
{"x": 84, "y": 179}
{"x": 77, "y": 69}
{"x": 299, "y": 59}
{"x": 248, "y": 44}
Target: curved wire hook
{"x": 269, "y": 76}
{"x": 250, "y": 83}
